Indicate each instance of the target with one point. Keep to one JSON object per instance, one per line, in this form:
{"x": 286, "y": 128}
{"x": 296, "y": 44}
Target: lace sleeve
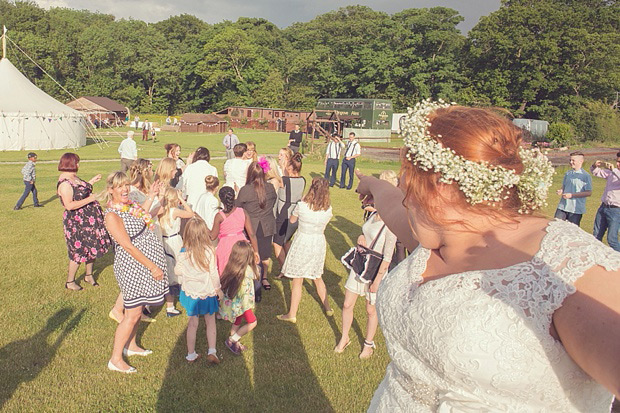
{"x": 566, "y": 253}
{"x": 389, "y": 245}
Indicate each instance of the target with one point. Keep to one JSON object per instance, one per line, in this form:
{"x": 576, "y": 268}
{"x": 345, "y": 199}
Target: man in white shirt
{"x": 352, "y": 151}
{"x": 195, "y": 174}
{"x": 128, "y": 151}
{"x": 229, "y": 142}
{"x": 332, "y": 158}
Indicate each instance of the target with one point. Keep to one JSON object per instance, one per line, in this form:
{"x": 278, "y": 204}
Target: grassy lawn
{"x": 54, "y": 344}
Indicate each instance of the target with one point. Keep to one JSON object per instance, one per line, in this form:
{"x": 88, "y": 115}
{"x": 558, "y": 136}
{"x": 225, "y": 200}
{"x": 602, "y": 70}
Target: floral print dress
{"x": 84, "y": 228}
{"x": 230, "y": 309}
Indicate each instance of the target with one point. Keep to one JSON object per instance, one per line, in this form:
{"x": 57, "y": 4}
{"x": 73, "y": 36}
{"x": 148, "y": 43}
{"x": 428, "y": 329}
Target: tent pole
{"x": 3, "y": 42}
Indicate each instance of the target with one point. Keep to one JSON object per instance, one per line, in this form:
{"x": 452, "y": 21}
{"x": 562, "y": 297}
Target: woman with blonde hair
{"x": 273, "y": 176}
{"x": 250, "y": 152}
{"x": 166, "y": 172}
{"x": 139, "y": 266}
{"x": 496, "y": 306}
{"x": 306, "y": 258}
{"x": 284, "y": 156}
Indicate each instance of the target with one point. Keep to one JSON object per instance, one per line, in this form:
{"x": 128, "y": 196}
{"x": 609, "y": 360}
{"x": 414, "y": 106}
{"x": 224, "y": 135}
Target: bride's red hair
{"x": 475, "y": 134}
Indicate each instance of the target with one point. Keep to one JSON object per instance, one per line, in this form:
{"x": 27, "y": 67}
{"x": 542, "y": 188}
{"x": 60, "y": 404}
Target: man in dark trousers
{"x": 294, "y": 139}
{"x": 332, "y": 158}
{"x": 352, "y": 151}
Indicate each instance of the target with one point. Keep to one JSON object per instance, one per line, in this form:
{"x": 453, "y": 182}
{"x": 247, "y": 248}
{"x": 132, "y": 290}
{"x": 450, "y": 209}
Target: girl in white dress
{"x": 306, "y": 258}
{"x": 170, "y": 223}
{"x": 497, "y": 309}
{"x": 207, "y": 205}
{"x": 236, "y": 169}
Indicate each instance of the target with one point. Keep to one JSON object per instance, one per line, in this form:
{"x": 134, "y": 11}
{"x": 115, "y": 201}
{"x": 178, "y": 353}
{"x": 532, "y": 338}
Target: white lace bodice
{"x": 479, "y": 341}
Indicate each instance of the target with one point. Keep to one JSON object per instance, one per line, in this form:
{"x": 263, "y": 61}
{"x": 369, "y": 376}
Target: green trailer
{"x": 370, "y": 119}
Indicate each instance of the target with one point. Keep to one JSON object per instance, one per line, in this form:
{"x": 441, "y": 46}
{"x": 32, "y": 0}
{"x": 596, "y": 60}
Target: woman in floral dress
{"x": 87, "y": 238}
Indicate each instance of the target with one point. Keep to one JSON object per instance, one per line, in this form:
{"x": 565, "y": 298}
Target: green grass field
{"x": 54, "y": 344}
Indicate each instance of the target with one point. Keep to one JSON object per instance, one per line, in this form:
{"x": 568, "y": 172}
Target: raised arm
{"x": 388, "y": 201}
{"x": 588, "y": 324}
{"x": 65, "y": 192}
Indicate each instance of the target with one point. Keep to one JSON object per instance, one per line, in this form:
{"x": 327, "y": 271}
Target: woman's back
{"x": 233, "y": 224}
{"x": 312, "y": 222}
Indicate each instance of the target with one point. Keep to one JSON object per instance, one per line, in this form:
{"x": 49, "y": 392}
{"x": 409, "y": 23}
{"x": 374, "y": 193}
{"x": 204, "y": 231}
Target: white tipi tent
{"x": 31, "y": 119}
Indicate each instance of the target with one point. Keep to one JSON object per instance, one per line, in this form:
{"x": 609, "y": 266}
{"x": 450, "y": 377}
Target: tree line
{"x": 557, "y": 60}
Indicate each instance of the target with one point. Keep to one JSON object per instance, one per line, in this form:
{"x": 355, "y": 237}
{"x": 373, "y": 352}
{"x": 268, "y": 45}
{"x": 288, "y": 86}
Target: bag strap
{"x": 374, "y": 241}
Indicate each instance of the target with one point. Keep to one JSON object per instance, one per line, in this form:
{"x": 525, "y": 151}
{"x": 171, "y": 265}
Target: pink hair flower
{"x": 264, "y": 163}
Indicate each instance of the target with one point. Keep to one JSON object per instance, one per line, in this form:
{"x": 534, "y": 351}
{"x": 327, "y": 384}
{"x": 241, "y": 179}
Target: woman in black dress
{"x": 85, "y": 233}
{"x": 257, "y": 197}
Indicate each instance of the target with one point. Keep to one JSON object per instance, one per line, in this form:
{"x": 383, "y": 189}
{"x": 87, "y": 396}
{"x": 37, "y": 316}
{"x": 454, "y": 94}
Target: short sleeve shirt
{"x": 573, "y": 182}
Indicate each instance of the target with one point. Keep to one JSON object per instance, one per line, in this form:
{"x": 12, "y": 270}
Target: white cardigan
{"x": 196, "y": 283}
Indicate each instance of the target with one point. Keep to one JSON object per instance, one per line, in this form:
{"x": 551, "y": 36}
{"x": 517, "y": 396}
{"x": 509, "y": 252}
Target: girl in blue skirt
{"x": 196, "y": 269}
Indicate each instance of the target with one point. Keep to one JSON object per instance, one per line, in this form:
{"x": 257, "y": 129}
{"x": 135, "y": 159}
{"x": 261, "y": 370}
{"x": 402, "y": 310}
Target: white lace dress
{"x": 479, "y": 341}
{"x": 306, "y": 258}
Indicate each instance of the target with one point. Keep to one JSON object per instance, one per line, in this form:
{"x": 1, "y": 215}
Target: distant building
{"x": 537, "y": 128}
{"x": 282, "y": 120}
{"x": 100, "y": 110}
{"x": 203, "y": 123}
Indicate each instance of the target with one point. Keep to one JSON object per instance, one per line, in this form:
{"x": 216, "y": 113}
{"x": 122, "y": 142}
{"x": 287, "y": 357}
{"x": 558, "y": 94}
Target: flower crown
{"x": 479, "y": 181}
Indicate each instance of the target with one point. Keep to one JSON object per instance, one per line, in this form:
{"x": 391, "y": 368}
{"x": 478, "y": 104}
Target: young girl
{"x": 228, "y": 227}
{"x": 238, "y": 289}
{"x": 200, "y": 286}
{"x": 250, "y": 153}
{"x": 170, "y": 223}
{"x": 306, "y": 258}
{"x": 207, "y": 205}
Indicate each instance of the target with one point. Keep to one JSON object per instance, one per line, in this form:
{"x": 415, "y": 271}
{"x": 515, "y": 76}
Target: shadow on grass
{"x": 23, "y": 360}
{"x": 274, "y": 374}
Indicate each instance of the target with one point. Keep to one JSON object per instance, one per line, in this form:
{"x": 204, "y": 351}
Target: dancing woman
{"x": 139, "y": 266}
{"x": 497, "y": 307}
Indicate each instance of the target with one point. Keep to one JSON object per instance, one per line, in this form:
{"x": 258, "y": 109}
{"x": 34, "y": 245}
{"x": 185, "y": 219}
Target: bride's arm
{"x": 588, "y": 324}
{"x": 388, "y": 201}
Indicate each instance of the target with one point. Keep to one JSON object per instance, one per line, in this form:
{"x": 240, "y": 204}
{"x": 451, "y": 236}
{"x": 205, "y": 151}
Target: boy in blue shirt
{"x": 576, "y": 186}
{"x": 30, "y": 175}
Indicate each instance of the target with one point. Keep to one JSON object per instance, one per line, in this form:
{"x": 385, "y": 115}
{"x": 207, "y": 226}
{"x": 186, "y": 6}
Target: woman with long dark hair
{"x": 257, "y": 197}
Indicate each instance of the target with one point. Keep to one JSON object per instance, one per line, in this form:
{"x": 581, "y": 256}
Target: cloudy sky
{"x": 280, "y": 12}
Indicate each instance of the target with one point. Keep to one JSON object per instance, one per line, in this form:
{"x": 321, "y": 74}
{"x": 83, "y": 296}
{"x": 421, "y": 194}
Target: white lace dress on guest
{"x": 306, "y": 258}
{"x": 479, "y": 341}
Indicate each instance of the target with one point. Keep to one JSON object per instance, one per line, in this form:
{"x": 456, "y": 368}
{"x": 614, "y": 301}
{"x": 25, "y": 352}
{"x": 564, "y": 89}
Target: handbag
{"x": 364, "y": 261}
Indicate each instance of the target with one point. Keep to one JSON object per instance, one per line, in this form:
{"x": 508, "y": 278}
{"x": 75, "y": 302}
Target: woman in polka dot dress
{"x": 139, "y": 266}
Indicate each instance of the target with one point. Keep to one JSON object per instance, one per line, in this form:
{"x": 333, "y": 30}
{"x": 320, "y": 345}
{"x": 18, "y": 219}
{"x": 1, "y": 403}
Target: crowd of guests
{"x": 178, "y": 232}
{"x": 496, "y": 307}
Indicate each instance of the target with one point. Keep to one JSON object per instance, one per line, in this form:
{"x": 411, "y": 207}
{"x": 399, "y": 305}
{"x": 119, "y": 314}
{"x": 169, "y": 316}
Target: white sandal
{"x": 371, "y": 345}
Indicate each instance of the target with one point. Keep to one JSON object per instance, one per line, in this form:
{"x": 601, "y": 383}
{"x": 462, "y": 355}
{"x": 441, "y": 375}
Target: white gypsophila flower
{"x": 479, "y": 181}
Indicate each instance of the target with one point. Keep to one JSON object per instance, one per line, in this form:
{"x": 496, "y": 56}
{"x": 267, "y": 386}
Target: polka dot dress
{"x": 137, "y": 285}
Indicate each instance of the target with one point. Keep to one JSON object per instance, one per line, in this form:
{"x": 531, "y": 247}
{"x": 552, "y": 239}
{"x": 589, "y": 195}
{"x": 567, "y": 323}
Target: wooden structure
{"x": 281, "y": 120}
{"x": 203, "y": 123}
{"x": 100, "y": 110}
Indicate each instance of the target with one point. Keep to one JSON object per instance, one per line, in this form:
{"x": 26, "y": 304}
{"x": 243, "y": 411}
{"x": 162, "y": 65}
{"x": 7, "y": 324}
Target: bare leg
{"x": 73, "y": 267}
{"x": 125, "y": 333}
{"x": 211, "y": 330}
{"x": 279, "y": 253}
{"x": 371, "y": 329}
{"x": 322, "y": 292}
{"x": 89, "y": 272}
{"x": 295, "y": 297}
{"x": 347, "y": 317}
{"x": 246, "y": 328}
{"x": 234, "y": 329}
{"x": 192, "y": 327}
{"x": 118, "y": 308}
{"x": 265, "y": 265}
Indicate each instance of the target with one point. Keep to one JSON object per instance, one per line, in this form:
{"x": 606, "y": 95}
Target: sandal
{"x": 94, "y": 283}
{"x": 73, "y": 289}
{"x": 341, "y": 350}
{"x": 267, "y": 286}
{"x": 280, "y": 276}
{"x": 371, "y": 346}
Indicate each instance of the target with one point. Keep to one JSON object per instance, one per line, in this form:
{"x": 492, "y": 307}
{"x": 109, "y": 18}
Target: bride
{"x": 497, "y": 309}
